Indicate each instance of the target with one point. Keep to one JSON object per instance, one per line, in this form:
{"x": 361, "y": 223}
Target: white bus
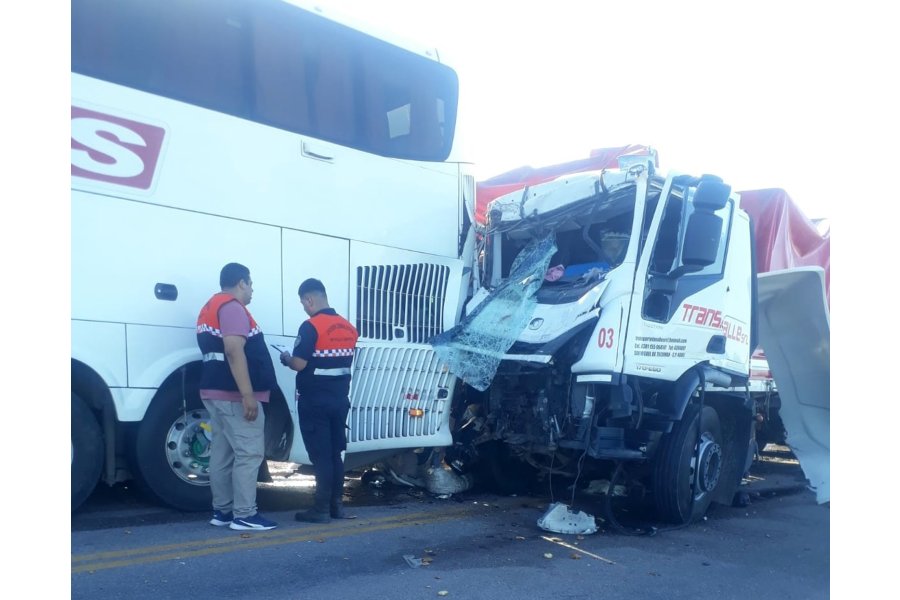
{"x": 295, "y": 142}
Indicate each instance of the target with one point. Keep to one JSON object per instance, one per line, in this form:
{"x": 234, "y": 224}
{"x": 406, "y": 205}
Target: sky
{"x": 748, "y": 94}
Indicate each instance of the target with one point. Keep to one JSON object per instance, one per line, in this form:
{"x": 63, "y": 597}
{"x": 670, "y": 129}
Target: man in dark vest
{"x": 322, "y": 357}
{"x": 235, "y": 381}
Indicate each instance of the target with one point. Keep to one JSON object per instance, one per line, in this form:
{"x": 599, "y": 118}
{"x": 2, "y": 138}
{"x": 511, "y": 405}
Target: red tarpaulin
{"x": 785, "y": 237}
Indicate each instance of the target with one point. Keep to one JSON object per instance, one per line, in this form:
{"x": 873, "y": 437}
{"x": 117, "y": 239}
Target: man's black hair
{"x": 232, "y": 274}
{"x": 309, "y": 286}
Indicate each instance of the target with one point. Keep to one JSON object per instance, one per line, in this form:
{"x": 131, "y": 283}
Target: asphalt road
{"x": 407, "y": 544}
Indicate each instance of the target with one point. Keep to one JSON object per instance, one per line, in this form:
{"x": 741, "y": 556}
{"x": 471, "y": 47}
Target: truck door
{"x": 680, "y": 309}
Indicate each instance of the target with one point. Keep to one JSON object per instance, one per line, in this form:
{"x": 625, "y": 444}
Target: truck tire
{"x": 681, "y": 493}
{"x": 87, "y": 451}
{"x": 170, "y": 456}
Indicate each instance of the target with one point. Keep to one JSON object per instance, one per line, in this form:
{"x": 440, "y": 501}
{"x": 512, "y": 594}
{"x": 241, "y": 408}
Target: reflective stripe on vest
{"x": 332, "y": 372}
{"x": 208, "y": 320}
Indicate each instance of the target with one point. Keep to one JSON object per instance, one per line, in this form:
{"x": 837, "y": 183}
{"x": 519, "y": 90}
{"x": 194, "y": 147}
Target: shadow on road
{"x": 775, "y": 472}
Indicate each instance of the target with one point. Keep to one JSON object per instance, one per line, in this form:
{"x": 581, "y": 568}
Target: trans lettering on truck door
{"x": 707, "y": 317}
{"x": 113, "y": 149}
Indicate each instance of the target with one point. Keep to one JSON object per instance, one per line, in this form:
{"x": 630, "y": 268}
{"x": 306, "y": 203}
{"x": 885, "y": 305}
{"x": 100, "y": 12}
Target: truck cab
{"x": 611, "y": 321}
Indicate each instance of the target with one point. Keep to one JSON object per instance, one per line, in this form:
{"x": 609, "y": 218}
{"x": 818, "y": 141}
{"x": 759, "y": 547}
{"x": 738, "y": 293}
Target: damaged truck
{"x": 609, "y": 334}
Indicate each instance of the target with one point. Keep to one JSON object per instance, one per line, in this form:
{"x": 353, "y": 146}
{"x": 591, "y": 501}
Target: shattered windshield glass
{"x": 473, "y": 349}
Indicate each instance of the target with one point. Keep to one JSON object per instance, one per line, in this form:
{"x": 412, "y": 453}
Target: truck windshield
{"x": 474, "y": 348}
{"x": 592, "y": 236}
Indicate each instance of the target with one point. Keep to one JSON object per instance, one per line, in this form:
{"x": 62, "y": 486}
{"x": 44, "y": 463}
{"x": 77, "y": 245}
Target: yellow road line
{"x": 231, "y": 539}
{"x": 95, "y": 562}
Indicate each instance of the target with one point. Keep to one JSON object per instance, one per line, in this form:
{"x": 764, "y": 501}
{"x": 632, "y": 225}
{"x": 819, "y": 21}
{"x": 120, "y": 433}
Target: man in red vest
{"x": 322, "y": 357}
{"x": 236, "y": 378}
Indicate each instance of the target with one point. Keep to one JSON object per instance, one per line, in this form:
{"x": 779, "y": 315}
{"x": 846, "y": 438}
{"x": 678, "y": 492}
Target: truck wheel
{"x": 171, "y": 452}
{"x": 682, "y": 489}
{"x": 87, "y": 451}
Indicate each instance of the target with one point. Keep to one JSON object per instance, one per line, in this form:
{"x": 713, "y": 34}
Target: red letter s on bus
{"x": 113, "y": 149}
{"x": 125, "y": 163}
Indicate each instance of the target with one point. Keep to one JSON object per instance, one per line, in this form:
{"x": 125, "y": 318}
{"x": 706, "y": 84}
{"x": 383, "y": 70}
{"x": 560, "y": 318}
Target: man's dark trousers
{"x": 323, "y": 426}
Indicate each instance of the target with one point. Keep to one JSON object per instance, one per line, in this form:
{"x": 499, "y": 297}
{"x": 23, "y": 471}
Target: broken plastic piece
{"x": 412, "y": 560}
{"x": 559, "y": 519}
{"x": 445, "y": 481}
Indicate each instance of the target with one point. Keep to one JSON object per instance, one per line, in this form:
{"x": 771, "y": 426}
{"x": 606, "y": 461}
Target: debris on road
{"x": 560, "y": 542}
{"x": 559, "y": 518}
{"x": 412, "y": 561}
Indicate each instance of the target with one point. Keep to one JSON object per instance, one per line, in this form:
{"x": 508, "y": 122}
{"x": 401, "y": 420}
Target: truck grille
{"x": 401, "y": 302}
{"x": 387, "y": 383}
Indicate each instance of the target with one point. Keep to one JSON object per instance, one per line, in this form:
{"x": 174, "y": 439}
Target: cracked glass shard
{"x": 473, "y": 349}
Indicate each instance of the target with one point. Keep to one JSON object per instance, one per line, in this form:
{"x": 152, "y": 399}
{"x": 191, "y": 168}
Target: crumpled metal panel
{"x": 795, "y": 330}
{"x": 474, "y": 348}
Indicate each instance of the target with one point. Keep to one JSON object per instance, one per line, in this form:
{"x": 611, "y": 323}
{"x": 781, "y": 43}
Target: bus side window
{"x": 377, "y": 119}
{"x": 386, "y": 91}
{"x": 424, "y": 126}
{"x": 104, "y": 53}
{"x": 280, "y": 71}
{"x": 198, "y": 57}
{"x": 333, "y": 95}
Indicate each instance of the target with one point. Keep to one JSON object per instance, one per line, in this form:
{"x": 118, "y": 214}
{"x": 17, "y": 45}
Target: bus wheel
{"x": 682, "y": 489}
{"x": 87, "y": 451}
{"x": 171, "y": 451}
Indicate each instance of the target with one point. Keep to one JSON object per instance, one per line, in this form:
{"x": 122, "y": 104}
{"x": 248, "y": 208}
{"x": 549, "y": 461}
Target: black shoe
{"x": 312, "y": 516}
{"x": 337, "y": 511}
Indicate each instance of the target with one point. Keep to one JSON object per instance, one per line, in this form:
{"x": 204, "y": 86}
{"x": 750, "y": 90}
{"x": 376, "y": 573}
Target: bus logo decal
{"x": 113, "y": 149}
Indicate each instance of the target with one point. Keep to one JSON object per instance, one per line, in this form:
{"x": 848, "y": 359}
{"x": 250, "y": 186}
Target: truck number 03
{"x": 605, "y": 338}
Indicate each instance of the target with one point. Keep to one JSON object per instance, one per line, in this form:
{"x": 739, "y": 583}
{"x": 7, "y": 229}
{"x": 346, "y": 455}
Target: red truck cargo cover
{"x": 785, "y": 237}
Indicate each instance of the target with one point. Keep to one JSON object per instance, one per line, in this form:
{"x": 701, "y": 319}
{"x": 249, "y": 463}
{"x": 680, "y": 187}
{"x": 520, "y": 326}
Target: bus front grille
{"x": 393, "y": 384}
{"x": 401, "y": 302}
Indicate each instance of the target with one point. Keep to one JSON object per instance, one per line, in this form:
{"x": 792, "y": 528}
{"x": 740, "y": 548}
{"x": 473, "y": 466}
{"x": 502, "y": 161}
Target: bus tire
{"x": 170, "y": 456}
{"x": 87, "y": 451}
{"x": 680, "y": 493}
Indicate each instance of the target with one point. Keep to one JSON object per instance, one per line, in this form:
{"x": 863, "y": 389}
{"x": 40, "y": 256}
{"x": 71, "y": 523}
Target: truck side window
{"x": 649, "y": 211}
{"x": 670, "y": 282}
{"x": 666, "y": 248}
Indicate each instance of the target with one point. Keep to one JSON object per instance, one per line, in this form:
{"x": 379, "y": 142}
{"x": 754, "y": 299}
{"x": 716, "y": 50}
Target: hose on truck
{"x": 608, "y": 513}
